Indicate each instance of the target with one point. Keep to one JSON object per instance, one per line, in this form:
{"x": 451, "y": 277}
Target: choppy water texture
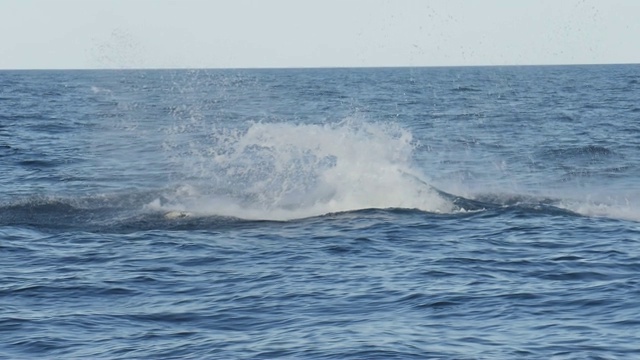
{"x": 453, "y": 213}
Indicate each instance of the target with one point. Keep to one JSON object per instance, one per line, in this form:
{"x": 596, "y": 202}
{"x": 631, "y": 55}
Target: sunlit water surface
{"x": 402, "y": 213}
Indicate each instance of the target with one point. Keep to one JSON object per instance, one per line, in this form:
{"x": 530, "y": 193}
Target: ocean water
{"x": 400, "y": 213}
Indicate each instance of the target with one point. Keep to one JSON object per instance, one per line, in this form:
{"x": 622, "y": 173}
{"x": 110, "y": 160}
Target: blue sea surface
{"x": 380, "y": 213}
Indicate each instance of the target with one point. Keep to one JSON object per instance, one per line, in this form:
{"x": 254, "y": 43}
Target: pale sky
{"x": 64, "y": 34}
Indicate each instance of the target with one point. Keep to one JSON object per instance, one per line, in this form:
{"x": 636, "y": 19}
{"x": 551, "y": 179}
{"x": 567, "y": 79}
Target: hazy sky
{"x": 319, "y": 33}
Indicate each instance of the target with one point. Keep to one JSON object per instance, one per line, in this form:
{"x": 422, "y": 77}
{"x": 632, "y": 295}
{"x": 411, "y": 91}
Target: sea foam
{"x": 282, "y": 171}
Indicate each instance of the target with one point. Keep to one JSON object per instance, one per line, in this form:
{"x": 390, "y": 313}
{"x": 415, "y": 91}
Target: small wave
{"x": 56, "y": 213}
{"x": 113, "y": 213}
{"x": 612, "y": 210}
{"x": 590, "y": 150}
{"x": 609, "y": 207}
{"x": 38, "y": 164}
{"x": 97, "y": 90}
{"x": 465, "y": 89}
{"x": 7, "y": 150}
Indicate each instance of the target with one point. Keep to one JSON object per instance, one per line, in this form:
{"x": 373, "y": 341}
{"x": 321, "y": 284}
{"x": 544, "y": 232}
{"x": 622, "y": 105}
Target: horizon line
{"x": 316, "y": 67}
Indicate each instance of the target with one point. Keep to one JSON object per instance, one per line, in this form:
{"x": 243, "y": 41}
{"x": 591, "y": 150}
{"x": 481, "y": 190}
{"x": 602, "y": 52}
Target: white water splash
{"x": 612, "y": 207}
{"x": 281, "y": 171}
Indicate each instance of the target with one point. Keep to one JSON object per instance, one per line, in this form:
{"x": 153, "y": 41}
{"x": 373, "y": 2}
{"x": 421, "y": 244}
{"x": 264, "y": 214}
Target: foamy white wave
{"x": 614, "y": 210}
{"x": 281, "y": 171}
{"x": 97, "y": 90}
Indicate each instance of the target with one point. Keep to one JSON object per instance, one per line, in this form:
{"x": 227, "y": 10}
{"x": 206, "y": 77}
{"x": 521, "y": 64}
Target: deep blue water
{"x": 450, "y": 213}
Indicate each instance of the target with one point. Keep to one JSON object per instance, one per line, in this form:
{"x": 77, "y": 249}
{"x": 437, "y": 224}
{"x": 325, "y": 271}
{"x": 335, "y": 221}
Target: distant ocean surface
{"x": 392, "y": 213}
